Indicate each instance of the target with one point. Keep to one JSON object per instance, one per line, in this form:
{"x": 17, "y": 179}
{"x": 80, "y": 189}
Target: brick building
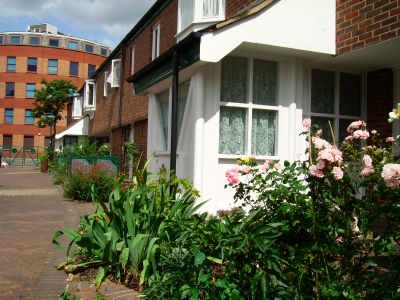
{"x": 215, "y": 80}
{"x": 26, "y": 58}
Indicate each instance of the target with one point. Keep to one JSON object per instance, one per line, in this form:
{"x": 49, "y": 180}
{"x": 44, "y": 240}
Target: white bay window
{"x": 335, "y": 97}
{"x": 115, "y": 72}
{"x": 199, "y": 11}
{"x": 89, "y": 102}
{"x": 249, "y": 107}
{"x": 77, "y": 107}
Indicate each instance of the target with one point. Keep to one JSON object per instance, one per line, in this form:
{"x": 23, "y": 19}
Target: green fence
{"x": 111, "y": 163}
{"x": 22, "y": 156}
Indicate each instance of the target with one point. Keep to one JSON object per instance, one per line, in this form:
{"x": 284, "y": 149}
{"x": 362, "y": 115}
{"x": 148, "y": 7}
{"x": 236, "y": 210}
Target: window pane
{"x": 163, "y": 102}
{"x": 29, "y": 119}
{"x": 89, "y": 48}
{"x": 32, "y": 64}
{"x": 52, "y": 67}
{"x": 15, "y": 40}
{"x": 53, "y": 42}
{"x": 232, "y": 130}
{"x": 91, "y": 70}
{"x": 323, "y": 124}
{"x": 1, "y": 40}
{"x": 263, "y": 132}
{"x": 7, "y": 141}
{"x": 30, "y": 90}
{"x": 73, "y": 45}
{"x": 265, "y": 82}
{"x": 73, "y": 68}
{"x": 187, "y": 12}
{"x": 28, "y": 142}
{"x": 9, "y": 115}
{"x": 182, "y": 99}
{"x": 350, "y": 94}
{"x": 210, "y": 8}
{"x": 103, "y": 51}
{"x": 323, "y": 92}
{"x": 234, "y": 79}
{"x": 10, "y": 89}
{"x": 11, "y": 63}
{"x": 34, "y": 40}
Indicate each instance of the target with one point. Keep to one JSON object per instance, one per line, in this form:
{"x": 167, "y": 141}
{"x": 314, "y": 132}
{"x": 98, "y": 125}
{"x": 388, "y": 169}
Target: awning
{"x": 80, "y": 128}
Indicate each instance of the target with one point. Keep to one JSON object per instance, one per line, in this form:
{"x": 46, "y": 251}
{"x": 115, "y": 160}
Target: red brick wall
{"x": 360, "y": 23}
{"x": 117, "y": 142}
{"x": 235, "y": 6}
{"x": 140, "y": 137}
{"x": 380, "y": 100}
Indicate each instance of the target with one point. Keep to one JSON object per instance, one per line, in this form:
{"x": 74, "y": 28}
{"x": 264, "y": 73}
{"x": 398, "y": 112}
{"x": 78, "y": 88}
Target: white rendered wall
{"x": 303, "y": 25}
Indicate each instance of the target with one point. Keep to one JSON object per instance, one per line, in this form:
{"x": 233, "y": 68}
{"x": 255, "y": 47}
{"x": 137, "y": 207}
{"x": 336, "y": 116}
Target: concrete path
{"x": 31, "y": 209}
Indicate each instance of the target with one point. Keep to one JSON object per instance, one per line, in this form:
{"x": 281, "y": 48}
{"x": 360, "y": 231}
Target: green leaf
{"x": 100, "y": 276}
{"x": 215, "y": 259}
{"x": 199, "y": 258}
{"x": 124, "y": 256}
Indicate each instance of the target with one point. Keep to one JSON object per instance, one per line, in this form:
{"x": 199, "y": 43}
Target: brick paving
{"x": 31, "y": 209}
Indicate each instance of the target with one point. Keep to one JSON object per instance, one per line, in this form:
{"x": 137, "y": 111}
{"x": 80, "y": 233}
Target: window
{"x": 163, "y": 108}
{"x": 90, "y": 95}
{"x": 15, "y": 40}
{"x": 106, "y": 81}
{"x": 132, "y": 60}
{"x": 156, "y": 42}
{"x": 335, "y": 97}
{"x": 104, "y": 51}
{"x": 249, "y": 111}
{"x": 28, "y": 142}
{"x": 11, "y": 63}
{"x": 115, "y": 72}
{"x": 77, "y": 108}
{"x": 46, "y": 141}
{"x": 72, "y": 45}
{"x": 34, "y": 40}
{"x": 30, "y": 90}
{"x": 32, "y": 64}
{"x": 91, "y": 70}
{"x": 9, "y": 116}
{"x": 73, "y": 68}
{"x": 7, "y": 141}
{"x": 54, "y": 43}
{"x": 29, "y": 119}
{"x": 1, "y": 39}
{"x": 196, "y": 11}
{"x": 70, "y": 141}
{"x": 52, "y": 67}
{"x": 10, "y": 89}
{"x": 89, "y": 48}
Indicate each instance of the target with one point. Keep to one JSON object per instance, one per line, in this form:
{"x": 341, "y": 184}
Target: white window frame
{"x": 77, "y": 107}
{"x": 105, "y": 85}
{"x": 114, "y": 76}
{"x": 133, "y": 60}
{"x": 155, "y": 52}
{"x": 87, "y": 105}
{"x": 336, "y": 116}
{"x": 249, "y": 106}
{"x": 198, "y": 16}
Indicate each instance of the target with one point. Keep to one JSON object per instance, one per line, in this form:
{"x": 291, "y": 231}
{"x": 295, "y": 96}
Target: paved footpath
{"x": 31, "y": 209}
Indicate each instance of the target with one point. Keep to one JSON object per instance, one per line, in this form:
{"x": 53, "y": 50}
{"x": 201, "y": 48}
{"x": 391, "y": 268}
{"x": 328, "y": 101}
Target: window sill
{"x": 256, "y": 157}
{"x": 31, "y": 72}
{"x": 163, "y": 153}
{"x": 10, "y": 97}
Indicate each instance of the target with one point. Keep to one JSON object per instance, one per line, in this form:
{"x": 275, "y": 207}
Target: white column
{"x": 198, "y": 105}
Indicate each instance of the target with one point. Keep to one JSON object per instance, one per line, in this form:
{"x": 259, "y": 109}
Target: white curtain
{"x": 186, "y": 8}
{"x": 210, "y": 8}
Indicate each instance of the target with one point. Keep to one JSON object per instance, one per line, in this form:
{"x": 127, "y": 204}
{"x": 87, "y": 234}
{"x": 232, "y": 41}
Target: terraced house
{"x": 26, "y": 58}
{"x": 199, "y": 83}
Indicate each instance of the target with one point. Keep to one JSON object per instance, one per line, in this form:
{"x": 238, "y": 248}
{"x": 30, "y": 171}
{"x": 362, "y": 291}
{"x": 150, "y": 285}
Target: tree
{"x": 52, "y": 99}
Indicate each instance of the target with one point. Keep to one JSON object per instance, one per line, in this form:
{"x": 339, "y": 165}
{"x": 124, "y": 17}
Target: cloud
{"x": 104, "y": 17}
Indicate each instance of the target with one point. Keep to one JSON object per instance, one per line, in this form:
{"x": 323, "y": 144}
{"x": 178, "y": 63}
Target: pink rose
{"x": 340, "y": 239}
{"x": 306, "y": 123}
{"x": 336, "y": 207}
{"x": 367, "y": 160}
{"x": 337, "y": 172}
{"x": 314, "y": 171}
{"x": 356, "y": 125}
{"x": 390, "y": 139}
{"x": 361, "y": 134}
{"x": 277, "y": 166}
{"x": 265, "y": 167}
{"x": 320, "y": 143}
{"x": 368, "y": 170}
{"x": 348, "y": 139}
{"x": 233, "y": 176}
{"x": 374, "y": 131}
{"x": 391, "y": 175}
{"x": 245, "y": 169}
{"x": 321, "y": 164}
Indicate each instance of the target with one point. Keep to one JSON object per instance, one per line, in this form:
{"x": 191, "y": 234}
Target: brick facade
{"x": 380, "y": 100}
{"x": 234, "y": 7}
{"x": 360, "y": 23}
{"x": 21, "y": 77}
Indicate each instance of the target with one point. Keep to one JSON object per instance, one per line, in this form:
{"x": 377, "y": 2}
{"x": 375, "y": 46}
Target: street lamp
{"x": 51, "y": 119}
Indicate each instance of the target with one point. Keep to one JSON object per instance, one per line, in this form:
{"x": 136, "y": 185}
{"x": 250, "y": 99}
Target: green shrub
{"x": 82, "y": 182}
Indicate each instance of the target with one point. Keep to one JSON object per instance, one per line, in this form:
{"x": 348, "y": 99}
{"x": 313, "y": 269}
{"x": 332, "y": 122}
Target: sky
{"x": 103, "y": 21}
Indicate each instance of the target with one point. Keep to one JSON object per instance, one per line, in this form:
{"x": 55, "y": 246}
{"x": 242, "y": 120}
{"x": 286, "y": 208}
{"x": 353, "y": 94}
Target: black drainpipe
{"x": 174, "y": 110}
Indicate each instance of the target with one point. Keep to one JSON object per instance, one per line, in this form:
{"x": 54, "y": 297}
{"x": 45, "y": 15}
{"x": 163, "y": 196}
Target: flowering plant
{"x": 340, "y": 210}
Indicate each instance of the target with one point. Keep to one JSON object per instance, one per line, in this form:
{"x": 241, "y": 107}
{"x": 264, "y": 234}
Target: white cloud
{"x": 111, "y": 18}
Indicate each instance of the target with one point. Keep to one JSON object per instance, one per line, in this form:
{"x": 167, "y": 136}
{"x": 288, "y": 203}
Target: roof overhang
{"x": 80, "y": 128}
{"x": 161, "y": 68}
